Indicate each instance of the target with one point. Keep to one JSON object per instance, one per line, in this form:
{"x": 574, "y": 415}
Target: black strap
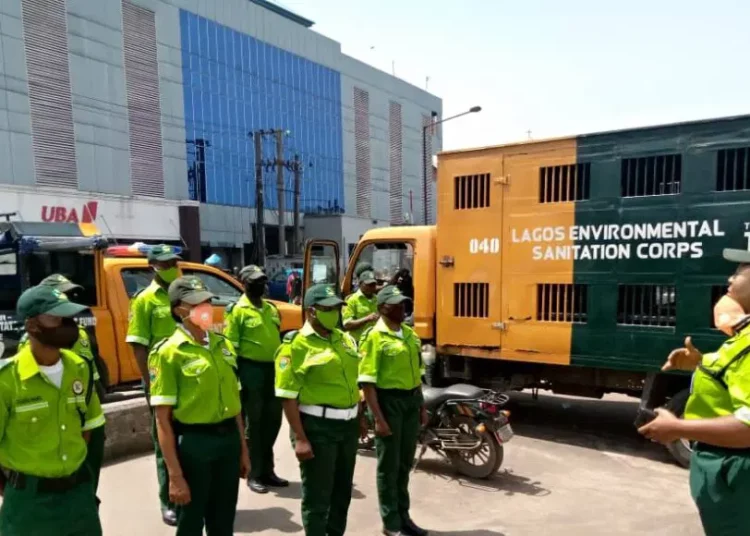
{"x": 89, "y": 392}
{"x": 718, "y": 375}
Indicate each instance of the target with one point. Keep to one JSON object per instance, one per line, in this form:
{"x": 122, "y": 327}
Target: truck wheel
{"x": 680, "y": 450}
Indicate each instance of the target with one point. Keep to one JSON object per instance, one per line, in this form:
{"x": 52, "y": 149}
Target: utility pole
{"x": 280, "y": 187}
{"x": 297, "y": 169}
{"x": 260, "y": 230}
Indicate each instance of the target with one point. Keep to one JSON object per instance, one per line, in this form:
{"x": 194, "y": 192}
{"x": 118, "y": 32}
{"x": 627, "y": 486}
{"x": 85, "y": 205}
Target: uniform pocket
{"x": 33, "y": 418}
{"x": 195, "y": 368}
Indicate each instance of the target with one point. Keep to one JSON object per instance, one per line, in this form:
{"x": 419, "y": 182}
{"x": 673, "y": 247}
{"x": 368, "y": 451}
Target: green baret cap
{"x": 391, "y": 295}
{"x": 60, "y": 282}
{"x": 367, "y": 278}
{"x": 324, "y": 295}
{"x": 362, "y": 267}
{"x": 190, "y": 290}
{"x": 162, "y": 253}
{"x": 737, "y": 255}
{"x": 45, "y": 300}
{"x": 252, "y": 273}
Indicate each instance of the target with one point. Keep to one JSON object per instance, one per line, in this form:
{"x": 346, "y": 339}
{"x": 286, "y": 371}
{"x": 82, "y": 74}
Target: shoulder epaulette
{"x": 5, "y": 362}
{"x": 159, "y": 344}
{"x": 228, "y": 309}
{"x": 269, "y": 302}
{"x": 290, "y": 335}
{"x": 138, "y": 293}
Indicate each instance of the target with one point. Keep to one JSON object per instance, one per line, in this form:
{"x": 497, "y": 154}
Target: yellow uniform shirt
{"x": 391, "y": 360}
{"x": 40, "y": 425}
{"x": 198, "y": 379}
{"x": 359, "y": 306}
{"x": 150, "y": 317}
{"x": 318, "y": 371}
{"x": 254, "y": 332}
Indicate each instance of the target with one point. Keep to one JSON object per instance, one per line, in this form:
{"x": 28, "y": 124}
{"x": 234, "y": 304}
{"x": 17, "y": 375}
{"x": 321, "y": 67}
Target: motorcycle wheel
{"x": 481, "y": 462}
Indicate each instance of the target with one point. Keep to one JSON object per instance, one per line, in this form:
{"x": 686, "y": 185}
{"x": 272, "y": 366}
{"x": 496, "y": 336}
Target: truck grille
{"x": 571, "y": 182}
{"x": 557, "y": 302}
{"x": 471, "y": 300}
{"x": 471, "y": 191}
{"x": 647, "y": 305}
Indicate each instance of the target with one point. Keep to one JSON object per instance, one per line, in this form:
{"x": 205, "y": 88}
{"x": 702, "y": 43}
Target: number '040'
{"x": 484, "y": 245}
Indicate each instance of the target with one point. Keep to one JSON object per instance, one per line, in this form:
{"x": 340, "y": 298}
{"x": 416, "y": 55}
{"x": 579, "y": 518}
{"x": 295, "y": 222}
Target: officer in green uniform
{"x": 82, "y": 348}
{"x": 150, "y": 323}
{"x": 196, "y": 395}
{"x": 48, "y": 409}
{"x": 252, "y": 326}
{"x": 316, "y": 376}
{"x": 390, "y": 373}
{"x": 360, "y": 311}
{"x": 717, "y": 418}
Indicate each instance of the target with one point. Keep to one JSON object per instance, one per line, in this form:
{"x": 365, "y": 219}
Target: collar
{"x": 156, "y": 286}
{"x": 184, "y": 336}
{"x": 244, "y": 301}
{"x": 27, "y": 365}
{"x": 307, "y": 330}
{"x": 381, "y": 327}
{"x": 361, "y": 295}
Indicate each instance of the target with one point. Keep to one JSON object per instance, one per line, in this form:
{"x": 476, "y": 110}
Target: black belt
{"x": 724, "y": 451}
{"x": 247, "y": 360}
{"x": 218, "y": 428}
{"x": 400, "y": 392}
{"x": 47, "y": 485}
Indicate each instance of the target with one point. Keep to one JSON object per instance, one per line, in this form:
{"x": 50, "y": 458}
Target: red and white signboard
{"x": 116, "y": 216}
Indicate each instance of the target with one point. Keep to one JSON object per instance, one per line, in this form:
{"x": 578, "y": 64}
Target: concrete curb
{"x": 128, "y": 429}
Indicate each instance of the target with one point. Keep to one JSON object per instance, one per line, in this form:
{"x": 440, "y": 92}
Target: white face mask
{"x": 727, "y": 314}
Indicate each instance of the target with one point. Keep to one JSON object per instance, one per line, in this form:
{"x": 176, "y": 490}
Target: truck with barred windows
{"x": 574, "y": 264}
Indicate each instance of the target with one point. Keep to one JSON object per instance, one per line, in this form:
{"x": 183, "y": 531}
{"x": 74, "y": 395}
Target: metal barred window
{"x": 570, "y": 182}
{"x": 560, "y": 302}
{"x": 144, "y": 109}
{"x": 647, "y": 305}
{"x": 733, "y": 170}
{"x": 362, "y": 151}
{"x": 471, "y": 300}
{"x": 50, "y": 105}
{"x": 471, "y": 191}
{"x": 651, "y": 175}
{"x": 396, "y": 162}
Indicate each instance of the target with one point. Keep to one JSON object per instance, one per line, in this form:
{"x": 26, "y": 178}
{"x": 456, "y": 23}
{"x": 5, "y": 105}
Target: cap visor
{"x": 66, "y": 309}
{"x": 369, "y": 281}
{"x": 254, "y": 276}
{"x": 194, "y": 298}
{"x": 737, "y": 255}
{"x": 330, "y": 302}
{"x": 68, "y": 287}
{"x": 164, "y": 257}
{"x": 395, "y": 300}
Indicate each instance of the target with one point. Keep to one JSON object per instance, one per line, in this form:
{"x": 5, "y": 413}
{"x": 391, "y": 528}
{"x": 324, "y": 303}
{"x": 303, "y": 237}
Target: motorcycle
{"x": 466, "y": 425}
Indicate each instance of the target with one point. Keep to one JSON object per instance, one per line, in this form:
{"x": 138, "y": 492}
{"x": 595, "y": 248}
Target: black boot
{"x": 410, "y": 528}
{"x": 169, "y": 516}
{"x": 274, "y": 481}
{"x": 257, "y": 486}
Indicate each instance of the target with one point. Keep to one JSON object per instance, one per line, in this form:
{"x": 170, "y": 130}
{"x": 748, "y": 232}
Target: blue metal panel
{"x": 235, "y": 84}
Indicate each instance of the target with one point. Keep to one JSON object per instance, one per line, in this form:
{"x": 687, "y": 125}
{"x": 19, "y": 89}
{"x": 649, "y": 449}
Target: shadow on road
{"x": 275, "y": 519}
{"x": 477, "y": 532}
{"x": 294, "y": 491}
{"x": 604, "y": 425}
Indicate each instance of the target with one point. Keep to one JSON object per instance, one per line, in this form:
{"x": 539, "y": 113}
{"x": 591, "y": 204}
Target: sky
{"x": 552, "y": 67}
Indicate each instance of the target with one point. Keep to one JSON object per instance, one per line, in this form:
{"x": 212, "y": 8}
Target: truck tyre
{"x": 680, "y": 450}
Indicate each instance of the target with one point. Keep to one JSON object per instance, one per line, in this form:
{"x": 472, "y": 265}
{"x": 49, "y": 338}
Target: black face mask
{"x": 63, "y": 336}
{"x": 394, "y": 313}
{"x": 255, "y": 290}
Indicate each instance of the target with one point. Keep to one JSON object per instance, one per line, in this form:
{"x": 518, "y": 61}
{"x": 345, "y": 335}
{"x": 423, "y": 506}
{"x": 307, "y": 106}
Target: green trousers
{"x": 95, "y": 455}
{"x": 25, "y": 512}
{"x": 396, "y": 453}
{"x": 162, "y": 475}
{"x": 327, "y": 478}
{"x": 262, "y": 412}
{"x": 720, "y": 486}
{"x": 211, "y": 465}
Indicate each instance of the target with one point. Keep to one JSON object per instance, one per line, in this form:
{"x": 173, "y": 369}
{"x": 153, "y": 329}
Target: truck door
{"x": 469, "y": 245}
{"x": 322, "y": 264}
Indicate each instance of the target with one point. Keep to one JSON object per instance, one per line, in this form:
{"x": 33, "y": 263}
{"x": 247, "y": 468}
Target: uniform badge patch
{"x": 83, "y": 342}
{"x": 226, "y": 352}
{"x": 284, "y": 362}
{"x": 77, "y": 387}
{"x": 152, "y": 373}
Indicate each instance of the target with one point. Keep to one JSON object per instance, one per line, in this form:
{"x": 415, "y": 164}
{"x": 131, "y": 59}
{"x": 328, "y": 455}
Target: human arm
{"x": 353, "y": 325}
{"x": 289, "y": 381}
{"x": 139, "y": 336}
{"x": 687, "y": 358}
{"x": 728, "y": 431}
{"x": 368, "y": 377}
{"x": 244, "y": 454}
{"x": 232, "y": 325}
{"x": 302, "y": 447}
{"x": 179, "y": 491}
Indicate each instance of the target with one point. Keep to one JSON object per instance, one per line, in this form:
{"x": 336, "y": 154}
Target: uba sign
{"x": 70, "y": 214}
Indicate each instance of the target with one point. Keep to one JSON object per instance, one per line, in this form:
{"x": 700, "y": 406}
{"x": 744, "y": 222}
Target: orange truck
{"x": 110, "y": 276}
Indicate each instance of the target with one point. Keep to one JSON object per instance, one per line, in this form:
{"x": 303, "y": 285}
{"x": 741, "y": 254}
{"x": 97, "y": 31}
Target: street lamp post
{"x": 425, "y": 182}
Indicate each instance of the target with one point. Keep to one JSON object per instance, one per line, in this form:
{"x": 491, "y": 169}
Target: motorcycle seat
{"x": 434, "y": 396}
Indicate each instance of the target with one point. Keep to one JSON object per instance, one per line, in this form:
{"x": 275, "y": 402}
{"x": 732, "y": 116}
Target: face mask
{"x": 168, "y": 275}
{"x": 328, "y": 319}
{"x": 727, "y": 313}
{"x": 255, "y": 290}
{"x": 63, "y": 336}
{"x": 395, "y": 313}
{"x": 202, "y": 316}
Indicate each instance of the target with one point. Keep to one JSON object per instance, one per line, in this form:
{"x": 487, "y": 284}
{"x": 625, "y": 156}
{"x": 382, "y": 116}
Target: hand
{"x": 244, "y": 464}
{"x": 303, "y": 450}
{"x": 179, "y": 492}
{"x": 363, "y": 426}
{"x": 664, "y": 429}
{"x": 687, "y": 358}
{"x": 423, "y": 417}
{"x": 373, "y": 317}
{"x": 382, "y": 429}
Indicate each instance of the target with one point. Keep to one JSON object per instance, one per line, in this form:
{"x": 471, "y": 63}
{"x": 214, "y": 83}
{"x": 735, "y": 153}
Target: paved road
{"x": 575, "y": 468}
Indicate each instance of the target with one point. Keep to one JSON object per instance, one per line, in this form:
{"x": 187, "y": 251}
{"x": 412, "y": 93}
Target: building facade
{"x": 159, "y": 119}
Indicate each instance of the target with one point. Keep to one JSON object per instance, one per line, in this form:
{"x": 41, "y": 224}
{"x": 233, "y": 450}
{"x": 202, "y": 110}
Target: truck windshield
{"x": 390, "y": 260}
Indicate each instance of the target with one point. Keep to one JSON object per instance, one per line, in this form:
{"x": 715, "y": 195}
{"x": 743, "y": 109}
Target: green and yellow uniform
{"x": 359, "y": 306}
{"x": 254, "y": 331}
{"x": 321, "y": 374}
{"x": 48, "y": 487}
{"x": 391, "y": 360}
{"x": 720, "y": 477}
{"x": 150, "y": 323}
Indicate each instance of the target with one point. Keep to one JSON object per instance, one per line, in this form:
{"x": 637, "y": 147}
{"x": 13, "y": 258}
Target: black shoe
{"x": 257, "y": 486}
{"x": 169, "y": 517}
{"x": 410, "y": 528}
{"x": 275, "y": 481}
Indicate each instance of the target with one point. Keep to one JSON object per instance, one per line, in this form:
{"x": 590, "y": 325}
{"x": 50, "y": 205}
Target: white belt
{"x": 330, "y": 413}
